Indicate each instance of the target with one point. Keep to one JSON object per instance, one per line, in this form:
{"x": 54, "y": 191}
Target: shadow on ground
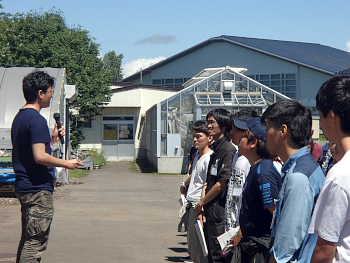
{"x": 145, "y": 166}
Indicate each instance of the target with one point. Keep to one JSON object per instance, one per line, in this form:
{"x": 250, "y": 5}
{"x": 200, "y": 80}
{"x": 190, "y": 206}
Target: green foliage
{"x": 78, "y": 173}
{"x": 112, "y": 64}
{"x": 43, "y": 39}
{"x": 98, "y": 158}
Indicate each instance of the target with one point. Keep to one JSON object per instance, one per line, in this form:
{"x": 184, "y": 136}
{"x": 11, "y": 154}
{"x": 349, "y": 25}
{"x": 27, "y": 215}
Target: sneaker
{"x": 188, "y": 261}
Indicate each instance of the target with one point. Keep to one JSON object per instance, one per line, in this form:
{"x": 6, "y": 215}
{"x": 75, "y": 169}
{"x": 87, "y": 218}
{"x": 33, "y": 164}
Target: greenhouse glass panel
{"x": 269, "y": 98}
{"x": 227, "y": 76}
{"x": 163, "y": 107}
{"x": 214, "y": 84}
{"x": 186, "y": 143}
{"x": 173, "y": 122}
{"x": 254, "y": 87}
{"x": 174, "y": 104}
{"x": 163, "y": 144}
{"x": 163, "y": 122}
{"x": 186, "y": 123}
{"x": 215, "y": 99}
{"x": 202, "y": 87}
{"x": 227, "y": 98}
{"x": 243, "y": 99}
{"x": 205, "y": 110}
{"x": 187, "y": 102}
{"x": 202, "y": 99}
{"x": 240, "y": 84}
{"x": 257, "y": 100}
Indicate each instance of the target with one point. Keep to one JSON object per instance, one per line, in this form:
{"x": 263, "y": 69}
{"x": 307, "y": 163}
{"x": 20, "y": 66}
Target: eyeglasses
{"x": 50, "y": 91}
{"x": 211, "y": 122}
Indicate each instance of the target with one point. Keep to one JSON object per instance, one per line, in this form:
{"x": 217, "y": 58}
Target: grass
{"x": 322, "y": 138}
{"x": 78, "y": 173}
{"x": 134, "y": 167}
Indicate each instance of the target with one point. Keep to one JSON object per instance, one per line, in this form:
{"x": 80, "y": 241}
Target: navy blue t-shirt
{"x": 30, "y": 127}
{"x": 261, "y": 187}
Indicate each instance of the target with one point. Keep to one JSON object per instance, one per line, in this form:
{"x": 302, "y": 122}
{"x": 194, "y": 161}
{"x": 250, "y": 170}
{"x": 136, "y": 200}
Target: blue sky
{"x": 149, "y": 31}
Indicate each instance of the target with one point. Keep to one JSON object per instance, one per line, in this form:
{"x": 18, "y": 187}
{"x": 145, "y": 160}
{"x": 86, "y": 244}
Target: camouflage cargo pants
{"x": 37, "y": 213}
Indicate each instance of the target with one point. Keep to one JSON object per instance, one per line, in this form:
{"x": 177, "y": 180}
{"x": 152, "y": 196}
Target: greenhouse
{"x": 169, "y": 122}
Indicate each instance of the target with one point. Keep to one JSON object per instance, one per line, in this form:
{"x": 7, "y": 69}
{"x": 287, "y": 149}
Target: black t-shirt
{"x": 222, "y": 158}
{"x": 261, "y": 187}
{"x": 30, "y": 127}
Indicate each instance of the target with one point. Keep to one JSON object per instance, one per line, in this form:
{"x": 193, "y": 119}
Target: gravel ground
{"x": 57, "y": 194}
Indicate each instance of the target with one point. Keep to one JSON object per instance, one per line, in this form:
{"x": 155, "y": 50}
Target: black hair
{"x": 261, "y": 148}
{"x": 334, "y": 95}
{"x": 223, "y": 118}
{"x": 244, "y": 115}
{"x": 295, "y": 116}
{"x": 35, "y": 81}
{"x": 201, "y": 126}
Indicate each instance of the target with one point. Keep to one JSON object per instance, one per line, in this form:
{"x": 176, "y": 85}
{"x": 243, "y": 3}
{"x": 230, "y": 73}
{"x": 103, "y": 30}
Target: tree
{"x": 43, "y": 39}
{"x": 112, "y": 63}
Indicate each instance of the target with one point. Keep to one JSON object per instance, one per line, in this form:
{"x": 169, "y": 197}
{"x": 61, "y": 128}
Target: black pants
{"x": 251, "y": 250}
{"x": 214, "y": 227}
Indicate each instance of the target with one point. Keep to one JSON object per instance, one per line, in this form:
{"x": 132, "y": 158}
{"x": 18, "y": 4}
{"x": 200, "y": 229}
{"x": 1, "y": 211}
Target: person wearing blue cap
{"x": 288, "y": 131}
{"x": 261, "y": 187}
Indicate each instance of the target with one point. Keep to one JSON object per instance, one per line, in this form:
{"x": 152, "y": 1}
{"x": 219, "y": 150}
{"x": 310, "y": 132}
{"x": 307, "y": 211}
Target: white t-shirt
{"x": 199, "y": 177}
{"x": 331, "y": 216}
{"x": 240, "y": 170}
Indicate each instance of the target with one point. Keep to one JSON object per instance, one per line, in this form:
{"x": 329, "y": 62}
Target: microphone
{"x": 57, "y": 117}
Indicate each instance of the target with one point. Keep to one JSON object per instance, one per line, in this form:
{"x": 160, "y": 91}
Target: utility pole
{"x": 141, "y": 76}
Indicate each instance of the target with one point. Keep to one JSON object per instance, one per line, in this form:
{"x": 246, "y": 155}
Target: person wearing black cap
{"x": 261, "y": 187}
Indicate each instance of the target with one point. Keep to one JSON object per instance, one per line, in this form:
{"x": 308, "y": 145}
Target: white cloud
{"x": 136, "y": 65}
{"x": 348, "y": 45}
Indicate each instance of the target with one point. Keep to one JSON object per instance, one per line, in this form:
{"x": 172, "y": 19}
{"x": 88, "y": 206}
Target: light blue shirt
{"x": 302, "y": 180}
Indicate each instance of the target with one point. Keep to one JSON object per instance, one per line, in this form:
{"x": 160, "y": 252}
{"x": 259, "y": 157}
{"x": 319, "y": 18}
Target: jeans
{"x": 37, "y": 214}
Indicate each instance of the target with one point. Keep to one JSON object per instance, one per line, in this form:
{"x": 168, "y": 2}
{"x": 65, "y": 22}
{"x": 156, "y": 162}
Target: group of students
{"x": 238, "y": 189}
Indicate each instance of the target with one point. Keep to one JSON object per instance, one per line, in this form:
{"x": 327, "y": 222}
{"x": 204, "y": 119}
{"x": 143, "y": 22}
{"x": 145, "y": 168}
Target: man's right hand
{"x": 201, "y": 218}
{"x": 73, "y": 164}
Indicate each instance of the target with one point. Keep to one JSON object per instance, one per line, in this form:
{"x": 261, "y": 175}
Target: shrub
{"x": 98, "y": 158}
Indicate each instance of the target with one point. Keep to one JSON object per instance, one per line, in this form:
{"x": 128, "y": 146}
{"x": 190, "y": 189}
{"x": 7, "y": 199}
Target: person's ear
{"x": 210, "y": 138}
{"x": 283, "y": 130}
{"x": 41, "y": 94}
{"x": 254, "y": 143}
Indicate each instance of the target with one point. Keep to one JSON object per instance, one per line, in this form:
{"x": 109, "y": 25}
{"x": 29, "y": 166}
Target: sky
{"x": 147, "y": 32}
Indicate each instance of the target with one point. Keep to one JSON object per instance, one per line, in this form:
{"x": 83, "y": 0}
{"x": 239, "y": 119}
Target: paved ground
{"x": 114, "y": 215}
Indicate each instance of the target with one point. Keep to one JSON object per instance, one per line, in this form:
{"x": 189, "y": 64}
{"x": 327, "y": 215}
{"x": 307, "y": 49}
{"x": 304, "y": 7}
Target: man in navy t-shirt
{"x": 261, "y": 187}
{"x": 34, "y": 166}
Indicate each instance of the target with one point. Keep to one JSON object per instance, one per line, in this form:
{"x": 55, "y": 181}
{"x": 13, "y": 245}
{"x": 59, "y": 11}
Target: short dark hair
{"x": 261, "y": 148}
{"x": 244, "y": 115}
{"x": 334, "y": 95}
{"x": 223, "y": 118}
{"x": 35, "y": 81}
{"x": 200, "y": 126}
{"x": 295, "y": 116}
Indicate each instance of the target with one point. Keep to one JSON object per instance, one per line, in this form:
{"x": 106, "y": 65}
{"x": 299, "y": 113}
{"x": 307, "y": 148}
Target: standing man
{"x": 195, "y": 183}
{"x": 34, "y": 166}
{"x": 331, "y": 217}
{"x": 288, "y": 126}
{"x": 219, "y": 172}
{"x": 260, "y": 189}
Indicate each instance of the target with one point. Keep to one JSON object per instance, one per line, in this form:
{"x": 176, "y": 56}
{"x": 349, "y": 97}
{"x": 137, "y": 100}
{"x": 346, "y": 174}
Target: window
{"x": 118, "y": 128}
{"x": 170, "y": 82}
{"x": 283, "y": 83}
{"x": 126, "y": 131}
{"x": 87, "y": 122}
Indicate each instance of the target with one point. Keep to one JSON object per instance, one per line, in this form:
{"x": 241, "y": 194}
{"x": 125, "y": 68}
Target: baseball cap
{"x": 254, "y": 125}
